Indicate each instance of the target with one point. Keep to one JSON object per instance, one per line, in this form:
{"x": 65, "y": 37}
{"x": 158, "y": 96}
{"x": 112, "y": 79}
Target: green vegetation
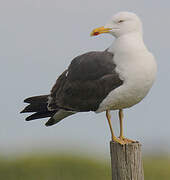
{"x": 157, "y": 168}
{"x": 73, "y": 168}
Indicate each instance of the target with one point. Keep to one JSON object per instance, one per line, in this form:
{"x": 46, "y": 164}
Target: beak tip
{"x": 94, "y": 33}
{"x": 99, "y": 30}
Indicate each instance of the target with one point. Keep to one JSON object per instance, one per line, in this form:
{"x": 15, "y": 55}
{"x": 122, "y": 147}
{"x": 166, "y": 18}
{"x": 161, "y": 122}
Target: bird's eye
{"x": 120, "y": 21}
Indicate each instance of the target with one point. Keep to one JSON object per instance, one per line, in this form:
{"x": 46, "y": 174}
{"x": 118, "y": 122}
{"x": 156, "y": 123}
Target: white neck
{"x": 128, "y": 43}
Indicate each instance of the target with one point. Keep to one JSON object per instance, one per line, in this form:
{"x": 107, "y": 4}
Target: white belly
{"x": 138, "y": 74}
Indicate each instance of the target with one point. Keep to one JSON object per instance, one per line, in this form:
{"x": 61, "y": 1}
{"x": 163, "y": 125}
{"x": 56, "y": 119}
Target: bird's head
{"x": 120, "y": 24}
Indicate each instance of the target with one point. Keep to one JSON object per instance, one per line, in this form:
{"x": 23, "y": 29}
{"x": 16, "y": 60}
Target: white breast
{"x": 138, "y": 71}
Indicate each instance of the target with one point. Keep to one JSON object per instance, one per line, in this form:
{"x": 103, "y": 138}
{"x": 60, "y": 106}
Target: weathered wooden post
{"x": 126, "y": 161}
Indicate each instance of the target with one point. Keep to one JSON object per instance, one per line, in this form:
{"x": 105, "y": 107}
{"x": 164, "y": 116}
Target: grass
{"x": 73, "y": 168}
{"x": 157, "y": 168}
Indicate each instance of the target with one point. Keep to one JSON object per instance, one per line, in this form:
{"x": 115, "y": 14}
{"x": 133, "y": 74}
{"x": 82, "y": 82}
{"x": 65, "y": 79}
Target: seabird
{"x": 114, "y": 79}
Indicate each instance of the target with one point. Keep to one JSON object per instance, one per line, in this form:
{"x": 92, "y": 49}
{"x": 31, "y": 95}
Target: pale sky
{"x": 38, "y": 40}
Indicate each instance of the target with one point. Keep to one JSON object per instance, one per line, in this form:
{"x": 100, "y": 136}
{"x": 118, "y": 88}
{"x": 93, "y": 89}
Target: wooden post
{"x": 126, "y": 161}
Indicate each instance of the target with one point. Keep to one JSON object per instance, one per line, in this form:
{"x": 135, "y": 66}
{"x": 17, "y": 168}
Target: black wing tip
{"x": 27, "y": 100}
{"x": 23, "y": 111}
{"x": 28, "y": 109}
{"x": 28, "y": 118}
{"x": 40, "y": 115}
{"x": 47, "y": 124}
{"x": 50, "y": 122}
{"x": 39, "y": 98}
{"x": 31, "y": 117}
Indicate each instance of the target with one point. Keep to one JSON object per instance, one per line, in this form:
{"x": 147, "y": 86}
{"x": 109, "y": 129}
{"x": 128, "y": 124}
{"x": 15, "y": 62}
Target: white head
{"x": 121, "y": 24}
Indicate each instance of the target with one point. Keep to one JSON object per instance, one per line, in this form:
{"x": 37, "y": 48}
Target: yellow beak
{"x": 100, "y": 30}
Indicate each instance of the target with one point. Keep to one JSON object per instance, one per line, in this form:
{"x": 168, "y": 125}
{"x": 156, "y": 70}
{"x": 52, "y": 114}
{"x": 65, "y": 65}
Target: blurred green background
{"x": 74, "y": 167}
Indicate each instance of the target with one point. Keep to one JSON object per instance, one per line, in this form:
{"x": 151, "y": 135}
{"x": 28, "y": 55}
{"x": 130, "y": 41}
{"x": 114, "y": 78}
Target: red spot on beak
{"x": 96, "y": 33}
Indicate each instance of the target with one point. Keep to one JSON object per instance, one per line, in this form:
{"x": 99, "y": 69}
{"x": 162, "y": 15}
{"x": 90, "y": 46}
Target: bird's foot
{"x": 126, "y": 140}
{"x": 123, "y": 140}
{"x": 118, "y": 140}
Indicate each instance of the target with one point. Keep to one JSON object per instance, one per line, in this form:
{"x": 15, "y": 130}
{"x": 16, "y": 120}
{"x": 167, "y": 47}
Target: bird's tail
{"x": 38, "y": 106}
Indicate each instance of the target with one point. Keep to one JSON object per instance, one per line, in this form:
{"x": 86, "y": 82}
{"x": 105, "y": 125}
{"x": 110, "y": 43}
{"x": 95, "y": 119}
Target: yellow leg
{"x": 114, "y": 138}
{"x": 121, "y": 122}
{"x": 125, "y": 140}
{"x": 110, "y": 125}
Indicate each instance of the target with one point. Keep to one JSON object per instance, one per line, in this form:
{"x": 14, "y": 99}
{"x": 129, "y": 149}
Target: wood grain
{"x": 126, "y": 161}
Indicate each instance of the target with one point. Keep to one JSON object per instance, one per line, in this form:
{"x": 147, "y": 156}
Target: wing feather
{"x": 86, "y": 82}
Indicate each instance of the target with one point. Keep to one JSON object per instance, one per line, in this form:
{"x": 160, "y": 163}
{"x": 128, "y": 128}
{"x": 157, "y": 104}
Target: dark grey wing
{"x": 87, "y": 81}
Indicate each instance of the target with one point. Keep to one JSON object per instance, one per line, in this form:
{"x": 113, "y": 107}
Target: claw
{"x": 126, "y": 140}
{"x": 118, "y": 140}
